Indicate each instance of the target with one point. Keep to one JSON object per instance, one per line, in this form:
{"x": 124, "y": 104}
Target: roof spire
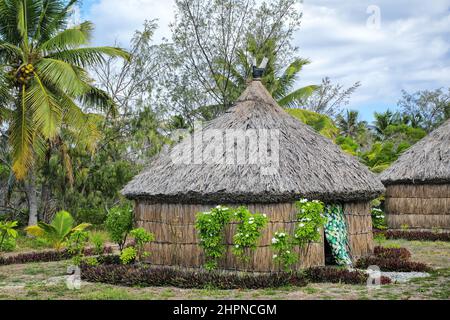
{"x": 258, "y": 72}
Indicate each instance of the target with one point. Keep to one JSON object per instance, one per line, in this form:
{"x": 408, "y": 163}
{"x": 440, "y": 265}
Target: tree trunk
{"x": 32, "y": 199}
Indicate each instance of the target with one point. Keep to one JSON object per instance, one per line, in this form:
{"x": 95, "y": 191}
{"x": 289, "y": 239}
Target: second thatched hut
{"x": 418, "y": 184}
{"x": 303, "y": 164}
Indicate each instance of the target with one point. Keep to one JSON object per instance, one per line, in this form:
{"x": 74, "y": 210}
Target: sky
{"x": 388, "y": 46}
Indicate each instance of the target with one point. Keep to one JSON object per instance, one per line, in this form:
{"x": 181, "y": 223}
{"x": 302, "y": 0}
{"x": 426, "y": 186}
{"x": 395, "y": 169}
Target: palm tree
{"x": 278, "y": 79}
{"x": 43, "y": 80}
{"x": 349, "y": 125}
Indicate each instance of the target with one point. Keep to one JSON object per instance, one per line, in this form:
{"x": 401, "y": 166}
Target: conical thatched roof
{"x": 310, "y": 165}
{"x": 428, "y": 161}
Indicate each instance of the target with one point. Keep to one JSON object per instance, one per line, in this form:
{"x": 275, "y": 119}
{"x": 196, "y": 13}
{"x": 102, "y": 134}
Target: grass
{"x": 44, "y": 281}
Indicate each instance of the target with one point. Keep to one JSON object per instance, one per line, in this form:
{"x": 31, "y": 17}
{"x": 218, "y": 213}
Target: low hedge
{"x": 417, "y": 235}
{"x": 391, "y": 264}
{"x": 142, "y": 275}
{"x": 335, "y": 275}
{"x": 392, "y": 253}
{"x": 392, "y": 259}
{"x": 46, "y": 256}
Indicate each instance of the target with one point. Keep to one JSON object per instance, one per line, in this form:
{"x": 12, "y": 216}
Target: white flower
{"x": 303, "y": 200}
{"x": 237, "y": 246}
{"x": 288, "y": 252}
{"x": 275, "y": 256}
{"x": 318, "y": 229}
{"x": 274, "y": 240}
{"x": 316, "y": 201}
{"x": 265, "y": 215}
{"x": 301, "y": 225}
{"x": 207, "y": 212}
{"x": 247, "y": 235}
{"x": 250, "y": 222}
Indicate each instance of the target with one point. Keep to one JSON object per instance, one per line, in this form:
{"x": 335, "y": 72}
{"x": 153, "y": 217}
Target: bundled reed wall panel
{"x": 425, "y": 206}
{"x": 177, "y": 242}
{"x": 359, "y": 227}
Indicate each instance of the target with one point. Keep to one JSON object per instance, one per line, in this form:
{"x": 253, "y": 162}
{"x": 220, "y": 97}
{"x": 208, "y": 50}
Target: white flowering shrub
{"x": 283, "y": 246}
{"x": 248, "y": 231}
{"x": 211, "y": 228}
{"x": 311, "y": 219}
{"x": 378, "y": 219}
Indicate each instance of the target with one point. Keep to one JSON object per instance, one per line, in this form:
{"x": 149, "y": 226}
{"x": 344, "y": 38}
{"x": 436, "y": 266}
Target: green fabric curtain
{"x": 336, "y": 234}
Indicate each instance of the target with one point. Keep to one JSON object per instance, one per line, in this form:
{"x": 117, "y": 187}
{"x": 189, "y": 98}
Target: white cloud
{"x": 410, "y": 51}
{"x": 116, "y": 20}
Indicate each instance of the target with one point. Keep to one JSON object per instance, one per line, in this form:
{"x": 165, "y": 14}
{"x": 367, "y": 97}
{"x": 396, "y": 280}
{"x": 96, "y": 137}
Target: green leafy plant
{"x": 75, "y": 245}
{"x": 91, "y": 261}
{"x": 404, "y": 227}
{"x": 378, "y": 219}
{"x": 283, "y": 245}
{"x": 119, "y": 223}
{"x": 141, "y": 238}
{"x": 379, "y": 238}
{"x": 248, "y": 231}
{"x": 311, "y": 219}
{"x": 211, "y": 228}
{"x": 58, "y": 231}
{"x": 8, "y": 234}
{"x": 98, "y": 242}
{"x": 128, "y": 255}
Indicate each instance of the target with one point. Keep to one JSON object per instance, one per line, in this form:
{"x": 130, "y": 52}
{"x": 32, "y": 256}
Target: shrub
{"x": 141, "y": 238}
{"x": 119, "y": 223}
{"x": 46, "y": 256}
{"x": 58, "y": 231}
{"x": 128, "y": 255}
{"x": 8, "y": 234}
{"x": 417, "y": 235}
{"x": 8, "y": 245}
{"x": 378, "y": 219}
{"x": 211, "y": 228}
{"x": 337, "y": 275}
{"x": 392, "y": 264}
{"x": 392, "y": 253}
{"x": 248, "y": 231}
{"x": 97, "y": 241}
{"x": 283, "y": 246}
{"x": 138, "y": 275}
{"x": 310, "y": 220}
{"x": 75, "y": 245}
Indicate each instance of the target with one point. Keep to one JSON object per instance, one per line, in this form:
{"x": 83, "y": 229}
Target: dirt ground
{"x": 48, "y": 281}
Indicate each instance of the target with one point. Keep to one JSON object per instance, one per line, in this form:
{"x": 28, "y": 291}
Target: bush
{"x": 417, "y": 235}
{"x": 128, "y": 255}
{"x": 119, "y": 223}
{"x": 138, "y": 275}
{"x": 46, "y": 256}
{"x": 392, "y": 253}
{"x": 8, "y": 245}
{"x": 392, "y": 264}
{"x": 141, "y": 237}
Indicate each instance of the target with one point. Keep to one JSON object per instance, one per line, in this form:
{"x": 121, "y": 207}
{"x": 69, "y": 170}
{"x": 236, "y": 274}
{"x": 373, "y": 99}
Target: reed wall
{"x": 418, "y": 206}
{"x": 177, "y": 242}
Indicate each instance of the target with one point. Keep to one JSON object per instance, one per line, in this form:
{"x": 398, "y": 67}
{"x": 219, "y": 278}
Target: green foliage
{"x": 91, "y": 261}
{"x": 379, "y": 238}
{"x": 378, "y": 219}
{"x": 320, "y": 122}
{"x": 76, "y": 244}
{"x": 119, "y": 223}
{"x": 8, "y": 234}
{"x": 248, "y": 231}
{"x": 8, "y": 245}
{"x": 311, "y": 219}
{"x": 211, "y": 226}
{"x": 141, "y": 238}
{"x": 348, "y": 145}
{"x": 128, "y": 255}
{"x": 58, "y": 231}
{"x": 98, "y": 242}
{"x": 283, "y": 245}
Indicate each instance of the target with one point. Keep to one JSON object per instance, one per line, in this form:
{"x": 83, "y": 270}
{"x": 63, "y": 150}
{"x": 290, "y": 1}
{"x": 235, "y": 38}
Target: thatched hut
{"x": 303, "y": 164}
{"x": 418, "y": 184}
